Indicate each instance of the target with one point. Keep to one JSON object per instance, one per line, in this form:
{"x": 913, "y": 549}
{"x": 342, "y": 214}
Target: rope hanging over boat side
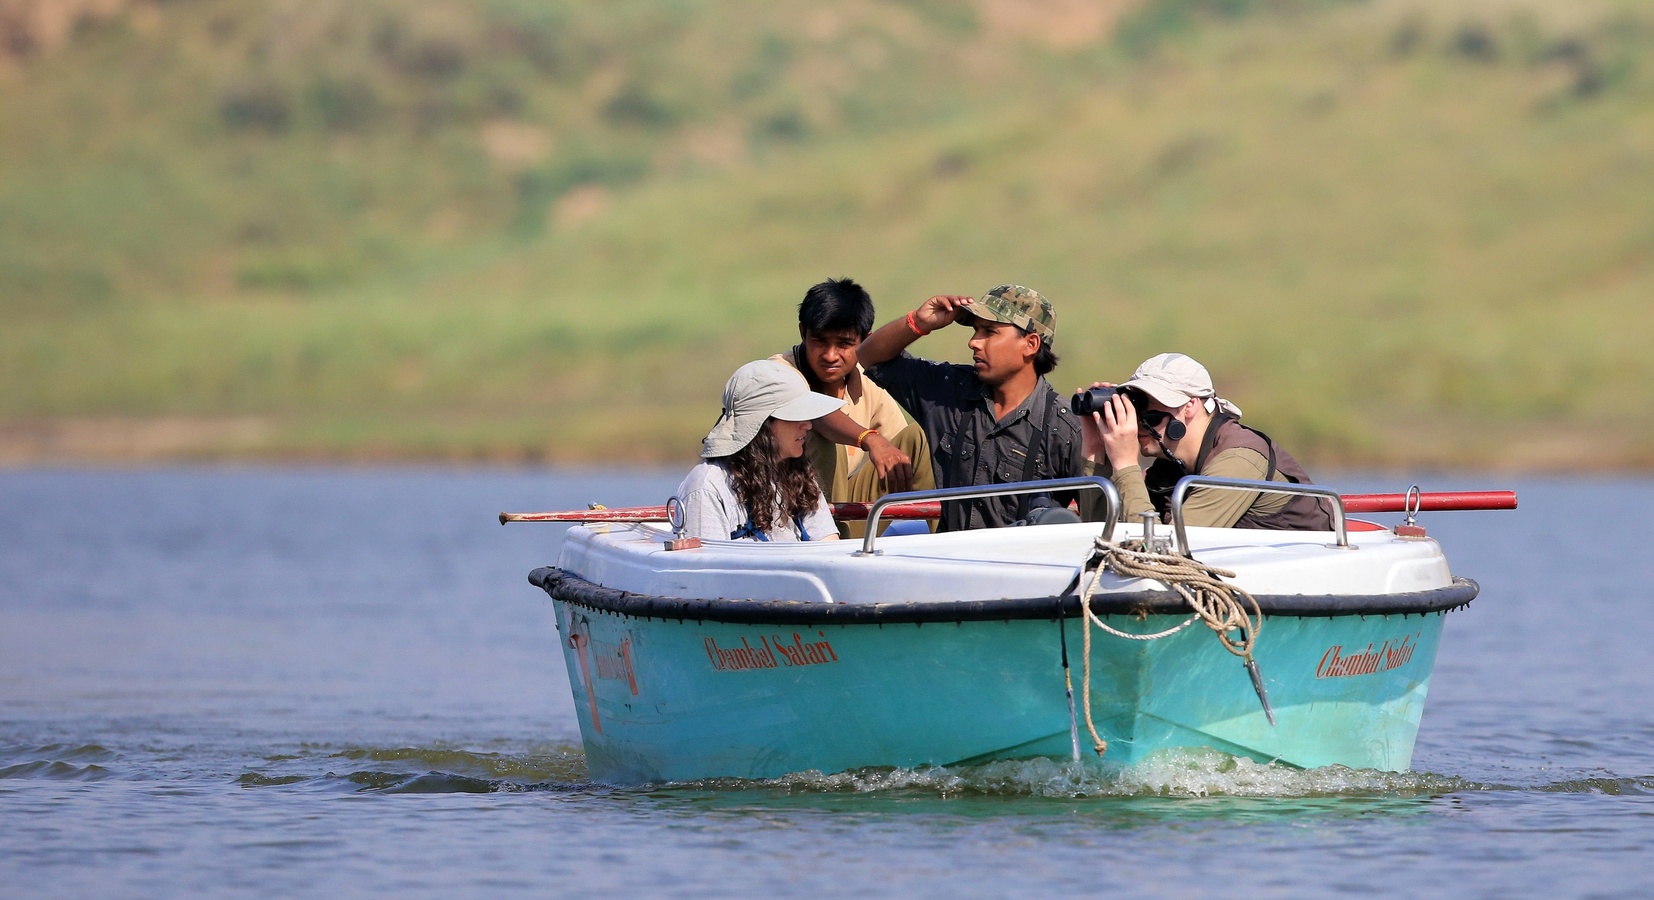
{"x": 1214, "y": 601}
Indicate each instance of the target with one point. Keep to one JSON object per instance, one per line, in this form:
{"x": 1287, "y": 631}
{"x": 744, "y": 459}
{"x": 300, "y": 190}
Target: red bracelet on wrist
{"x": 914, "y": 324}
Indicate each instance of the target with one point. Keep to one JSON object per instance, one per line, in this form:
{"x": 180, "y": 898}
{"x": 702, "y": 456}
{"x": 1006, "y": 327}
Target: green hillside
{"x": 1399, "y": 233}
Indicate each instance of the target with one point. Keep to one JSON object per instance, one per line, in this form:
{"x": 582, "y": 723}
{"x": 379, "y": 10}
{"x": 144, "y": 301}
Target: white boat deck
{"x": 989, "y": 564}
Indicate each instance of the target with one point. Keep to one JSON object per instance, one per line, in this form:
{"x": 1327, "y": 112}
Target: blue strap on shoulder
{"x": 750, "y": 530}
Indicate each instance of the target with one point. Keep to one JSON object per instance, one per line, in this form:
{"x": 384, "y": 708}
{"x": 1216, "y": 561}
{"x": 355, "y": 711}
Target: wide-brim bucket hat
{"x": 757, "y": 392}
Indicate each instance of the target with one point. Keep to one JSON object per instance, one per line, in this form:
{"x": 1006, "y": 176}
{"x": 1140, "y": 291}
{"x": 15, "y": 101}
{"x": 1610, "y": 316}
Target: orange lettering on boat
{"x": 580, "y": 638}
{"x": 1391, "y": 654}
{"x": 772, "y": 651}
{"x": 614, "y": 662}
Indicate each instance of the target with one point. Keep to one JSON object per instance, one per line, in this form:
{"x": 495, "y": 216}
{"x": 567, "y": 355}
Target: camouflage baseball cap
{"x": 1016, "y": 305}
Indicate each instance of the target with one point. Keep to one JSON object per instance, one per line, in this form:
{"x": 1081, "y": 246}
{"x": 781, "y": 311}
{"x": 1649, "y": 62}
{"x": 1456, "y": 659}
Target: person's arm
{"x": 820, "y": 523}
{"x": 893, "y": 337}
{"x": 1134, "y": 493}
{"x": 894, "y": 467}
{"x": 1223, "y": 508}
{"x": 887, "y": 419}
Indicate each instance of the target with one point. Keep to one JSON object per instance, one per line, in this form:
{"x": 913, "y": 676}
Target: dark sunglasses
{"x": 1152, "y": 418}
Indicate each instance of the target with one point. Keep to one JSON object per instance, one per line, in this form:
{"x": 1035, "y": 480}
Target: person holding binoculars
{"x": 1166, "y": 422}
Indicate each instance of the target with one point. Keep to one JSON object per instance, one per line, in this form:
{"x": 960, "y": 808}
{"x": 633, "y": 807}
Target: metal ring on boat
{"x": 1411, "y": 503}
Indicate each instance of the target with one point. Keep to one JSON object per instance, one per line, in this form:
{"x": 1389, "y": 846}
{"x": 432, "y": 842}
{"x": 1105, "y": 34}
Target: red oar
{"x": 1430, "y": 501}
{"x": 1354, "y": 503}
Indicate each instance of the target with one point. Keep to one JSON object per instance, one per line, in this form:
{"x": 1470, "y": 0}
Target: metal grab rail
{"x": 966, "y": 492}
{"x": 1189, "y": 482}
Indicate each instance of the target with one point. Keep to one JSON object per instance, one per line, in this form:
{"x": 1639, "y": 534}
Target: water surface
{"x": 270, "y": 681}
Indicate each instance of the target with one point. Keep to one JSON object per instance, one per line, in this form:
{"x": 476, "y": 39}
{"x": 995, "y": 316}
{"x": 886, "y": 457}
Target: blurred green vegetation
{"x": 1398, "y": 233}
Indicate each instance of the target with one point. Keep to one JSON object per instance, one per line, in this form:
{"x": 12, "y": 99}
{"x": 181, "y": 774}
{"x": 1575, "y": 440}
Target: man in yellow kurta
{"x": 869, "y": 448}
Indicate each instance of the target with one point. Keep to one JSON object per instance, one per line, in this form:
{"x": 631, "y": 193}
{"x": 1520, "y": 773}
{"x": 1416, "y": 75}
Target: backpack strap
{"x": 1036, "y": 441}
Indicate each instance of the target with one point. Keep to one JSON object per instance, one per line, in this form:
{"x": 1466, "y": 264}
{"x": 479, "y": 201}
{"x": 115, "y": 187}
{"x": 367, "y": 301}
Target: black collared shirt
{"x": 970, "y": 447}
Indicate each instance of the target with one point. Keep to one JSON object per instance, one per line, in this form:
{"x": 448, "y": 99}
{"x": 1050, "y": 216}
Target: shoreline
{"x": 167, "y": 441}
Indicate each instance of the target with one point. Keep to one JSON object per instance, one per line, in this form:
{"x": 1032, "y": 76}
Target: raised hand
{"x": 940, "y": 311}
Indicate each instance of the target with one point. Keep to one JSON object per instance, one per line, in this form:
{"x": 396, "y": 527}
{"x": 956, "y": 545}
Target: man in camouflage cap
{"x": 994, "y": 421}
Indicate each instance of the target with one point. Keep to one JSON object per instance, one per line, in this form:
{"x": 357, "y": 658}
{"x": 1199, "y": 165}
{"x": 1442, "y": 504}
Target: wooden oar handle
{"x": 622, "y": 514}
{"x": 850, "y": 511}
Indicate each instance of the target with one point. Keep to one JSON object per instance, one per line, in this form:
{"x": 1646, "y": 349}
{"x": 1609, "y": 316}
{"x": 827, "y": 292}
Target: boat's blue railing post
{"x": 1190, "y": 482}
{"x": 968, "y": 492}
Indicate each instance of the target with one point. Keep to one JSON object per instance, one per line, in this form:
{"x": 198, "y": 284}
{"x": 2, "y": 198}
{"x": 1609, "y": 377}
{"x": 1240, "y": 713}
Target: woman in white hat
{"x": 755, "y": 482}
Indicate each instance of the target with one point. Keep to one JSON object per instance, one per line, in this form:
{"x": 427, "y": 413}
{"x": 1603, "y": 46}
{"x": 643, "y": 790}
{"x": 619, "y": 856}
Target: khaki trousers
{"x": 863, "y": 485}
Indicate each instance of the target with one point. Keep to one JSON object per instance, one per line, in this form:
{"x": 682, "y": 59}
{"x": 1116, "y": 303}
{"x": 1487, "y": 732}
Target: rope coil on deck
{"x": 1214, "y": 601}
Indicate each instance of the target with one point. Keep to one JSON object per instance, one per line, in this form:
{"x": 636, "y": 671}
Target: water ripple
{"x": 437, "y": 769}
{"x": 1614, "y": 786}
{"x": 1175, "y": 774}
{"x": 60, "y": 762}
{"x": 59, "y": 771}
{"x": 1182, "y": 773}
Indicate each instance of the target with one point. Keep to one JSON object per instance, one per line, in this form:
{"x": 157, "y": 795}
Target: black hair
{"x": 1046, "y": 359}
{"x": 837, "y": 304}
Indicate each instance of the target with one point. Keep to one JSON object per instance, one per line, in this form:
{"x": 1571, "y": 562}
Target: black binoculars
{"x": 1085, "y": 403}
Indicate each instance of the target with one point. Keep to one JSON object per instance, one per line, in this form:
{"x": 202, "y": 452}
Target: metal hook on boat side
{"x": 1257, "y": 685}
{"x": 1068, "y": 681}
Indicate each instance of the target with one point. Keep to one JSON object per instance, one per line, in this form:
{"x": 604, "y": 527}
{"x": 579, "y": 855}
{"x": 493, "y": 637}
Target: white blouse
{"x": 711, "y": 511}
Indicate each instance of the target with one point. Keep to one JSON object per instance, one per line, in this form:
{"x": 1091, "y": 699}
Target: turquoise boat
{"x": 752, "y": 660}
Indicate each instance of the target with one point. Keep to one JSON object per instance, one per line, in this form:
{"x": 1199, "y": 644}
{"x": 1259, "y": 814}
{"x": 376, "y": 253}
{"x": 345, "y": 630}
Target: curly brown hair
{"x": 759, "y": 476}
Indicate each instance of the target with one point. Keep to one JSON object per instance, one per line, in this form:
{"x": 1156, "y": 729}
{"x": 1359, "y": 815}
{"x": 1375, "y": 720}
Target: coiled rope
{"x": 1214, "y": 601}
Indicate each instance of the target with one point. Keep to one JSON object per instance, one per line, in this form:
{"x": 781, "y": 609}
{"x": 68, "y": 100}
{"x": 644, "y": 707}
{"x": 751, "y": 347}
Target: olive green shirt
{"x": 1209, "y": 508}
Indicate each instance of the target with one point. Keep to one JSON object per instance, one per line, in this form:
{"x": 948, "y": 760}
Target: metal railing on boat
{"x": 1190, "y": 482}
{"x": 972, "y": 492}
{"x": 1113, "y": 504}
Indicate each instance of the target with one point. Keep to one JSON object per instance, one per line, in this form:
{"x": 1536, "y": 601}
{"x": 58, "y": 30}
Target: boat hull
{"x": 664, "y": 698}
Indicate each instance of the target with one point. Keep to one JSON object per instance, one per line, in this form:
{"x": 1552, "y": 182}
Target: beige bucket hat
{"x": 757, "y": 392}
